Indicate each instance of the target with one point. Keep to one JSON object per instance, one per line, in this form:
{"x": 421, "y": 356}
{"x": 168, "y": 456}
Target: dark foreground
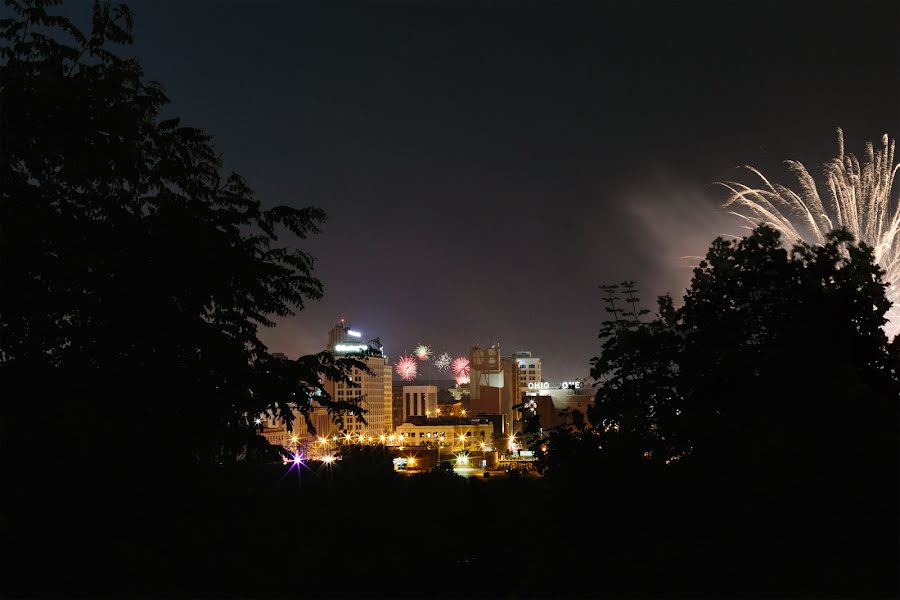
{"x": 359, "y": 529}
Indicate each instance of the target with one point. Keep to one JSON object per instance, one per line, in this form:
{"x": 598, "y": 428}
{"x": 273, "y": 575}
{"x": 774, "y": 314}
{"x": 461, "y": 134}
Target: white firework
{"x": 442, "y": 362}
{"x": 859, "y": 198}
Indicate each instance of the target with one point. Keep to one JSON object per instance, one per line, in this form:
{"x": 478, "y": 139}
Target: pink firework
{"x": 460, "y": 367}
{"x": 406, "y": 368}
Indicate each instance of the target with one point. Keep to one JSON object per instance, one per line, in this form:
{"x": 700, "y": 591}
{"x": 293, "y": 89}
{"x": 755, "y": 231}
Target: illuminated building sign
{"x": 346, "y": 348}
{"x": 352, "y": 333}
{"x": 565, "y": 385}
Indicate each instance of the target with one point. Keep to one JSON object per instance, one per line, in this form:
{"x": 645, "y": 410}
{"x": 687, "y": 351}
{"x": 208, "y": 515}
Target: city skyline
{"x": 482, "y": 176}
{"x": 366, "y": 298}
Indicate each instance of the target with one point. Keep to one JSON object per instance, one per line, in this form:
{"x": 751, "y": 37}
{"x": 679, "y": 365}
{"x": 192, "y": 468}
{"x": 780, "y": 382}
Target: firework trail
{"x": 460, "y": 368}
{"x": 406, "y": 368}
{"x": 423, "y": 352}
{"x": 442, "y": 362}
{"x": 858, "y": 196}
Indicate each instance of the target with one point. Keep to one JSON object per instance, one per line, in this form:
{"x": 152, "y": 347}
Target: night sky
{"x": 486, "y": 166}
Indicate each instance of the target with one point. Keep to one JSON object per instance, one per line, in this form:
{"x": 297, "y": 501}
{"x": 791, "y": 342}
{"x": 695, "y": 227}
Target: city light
{"x": 462, "y": 459}
{"x": 350, "y": 348}
{"x": 257, "y": 420}
{"x": 352, "y": 333}
{"x": 328, "y": 459}
{"x": 294, "y": 439}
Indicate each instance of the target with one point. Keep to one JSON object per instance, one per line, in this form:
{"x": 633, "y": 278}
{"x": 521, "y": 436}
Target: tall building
{"x": 529, "y": 368}
{"x": 419, "y": 401}
{"x": 495, "y": 384}
{"x": 484, "y": 368}
{"x": 375, "y": 388}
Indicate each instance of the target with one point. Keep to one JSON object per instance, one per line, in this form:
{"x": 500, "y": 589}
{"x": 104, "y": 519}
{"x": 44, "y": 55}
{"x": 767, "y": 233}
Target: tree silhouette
{"x": 135, "y": 273}
{"x": 762, "y": 412}
{"x": 767, "y": 341}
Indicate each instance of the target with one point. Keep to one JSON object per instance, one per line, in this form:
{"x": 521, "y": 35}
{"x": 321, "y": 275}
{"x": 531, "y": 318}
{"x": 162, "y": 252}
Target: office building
{"x": 529, "y": 370}
{"x": 419, "y": 401}
{"x": 372, "y": 390}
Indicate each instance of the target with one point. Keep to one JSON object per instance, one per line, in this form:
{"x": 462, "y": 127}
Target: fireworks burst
{"x": 460, "y": 368}
{"x": 406, "y": 368}
{"x": 442, "y": 362}
{"x": 859, "y": 198}
{"x": 423, "y": 352}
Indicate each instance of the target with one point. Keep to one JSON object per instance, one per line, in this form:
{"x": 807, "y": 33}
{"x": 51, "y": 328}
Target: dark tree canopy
{"x": 754, "y": 429}
{"x": 135, "y": 272}
{"x": 774, "y": 352}
{"x": 776, "y": 359}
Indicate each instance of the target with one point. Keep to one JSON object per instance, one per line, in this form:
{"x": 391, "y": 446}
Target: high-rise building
{"x": 529, "y": 367}
{"x": 375, "y": 388}
{"x": 419, "y": 401}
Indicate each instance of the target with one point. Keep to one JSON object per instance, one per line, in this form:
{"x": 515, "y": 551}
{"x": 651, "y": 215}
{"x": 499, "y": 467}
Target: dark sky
{"x": 486, "y": 166}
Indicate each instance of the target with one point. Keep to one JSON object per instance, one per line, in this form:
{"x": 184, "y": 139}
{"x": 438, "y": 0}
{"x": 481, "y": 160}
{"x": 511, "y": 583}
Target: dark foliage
{"x": 135, "y": 275}
{"x": 755, "y": 428}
